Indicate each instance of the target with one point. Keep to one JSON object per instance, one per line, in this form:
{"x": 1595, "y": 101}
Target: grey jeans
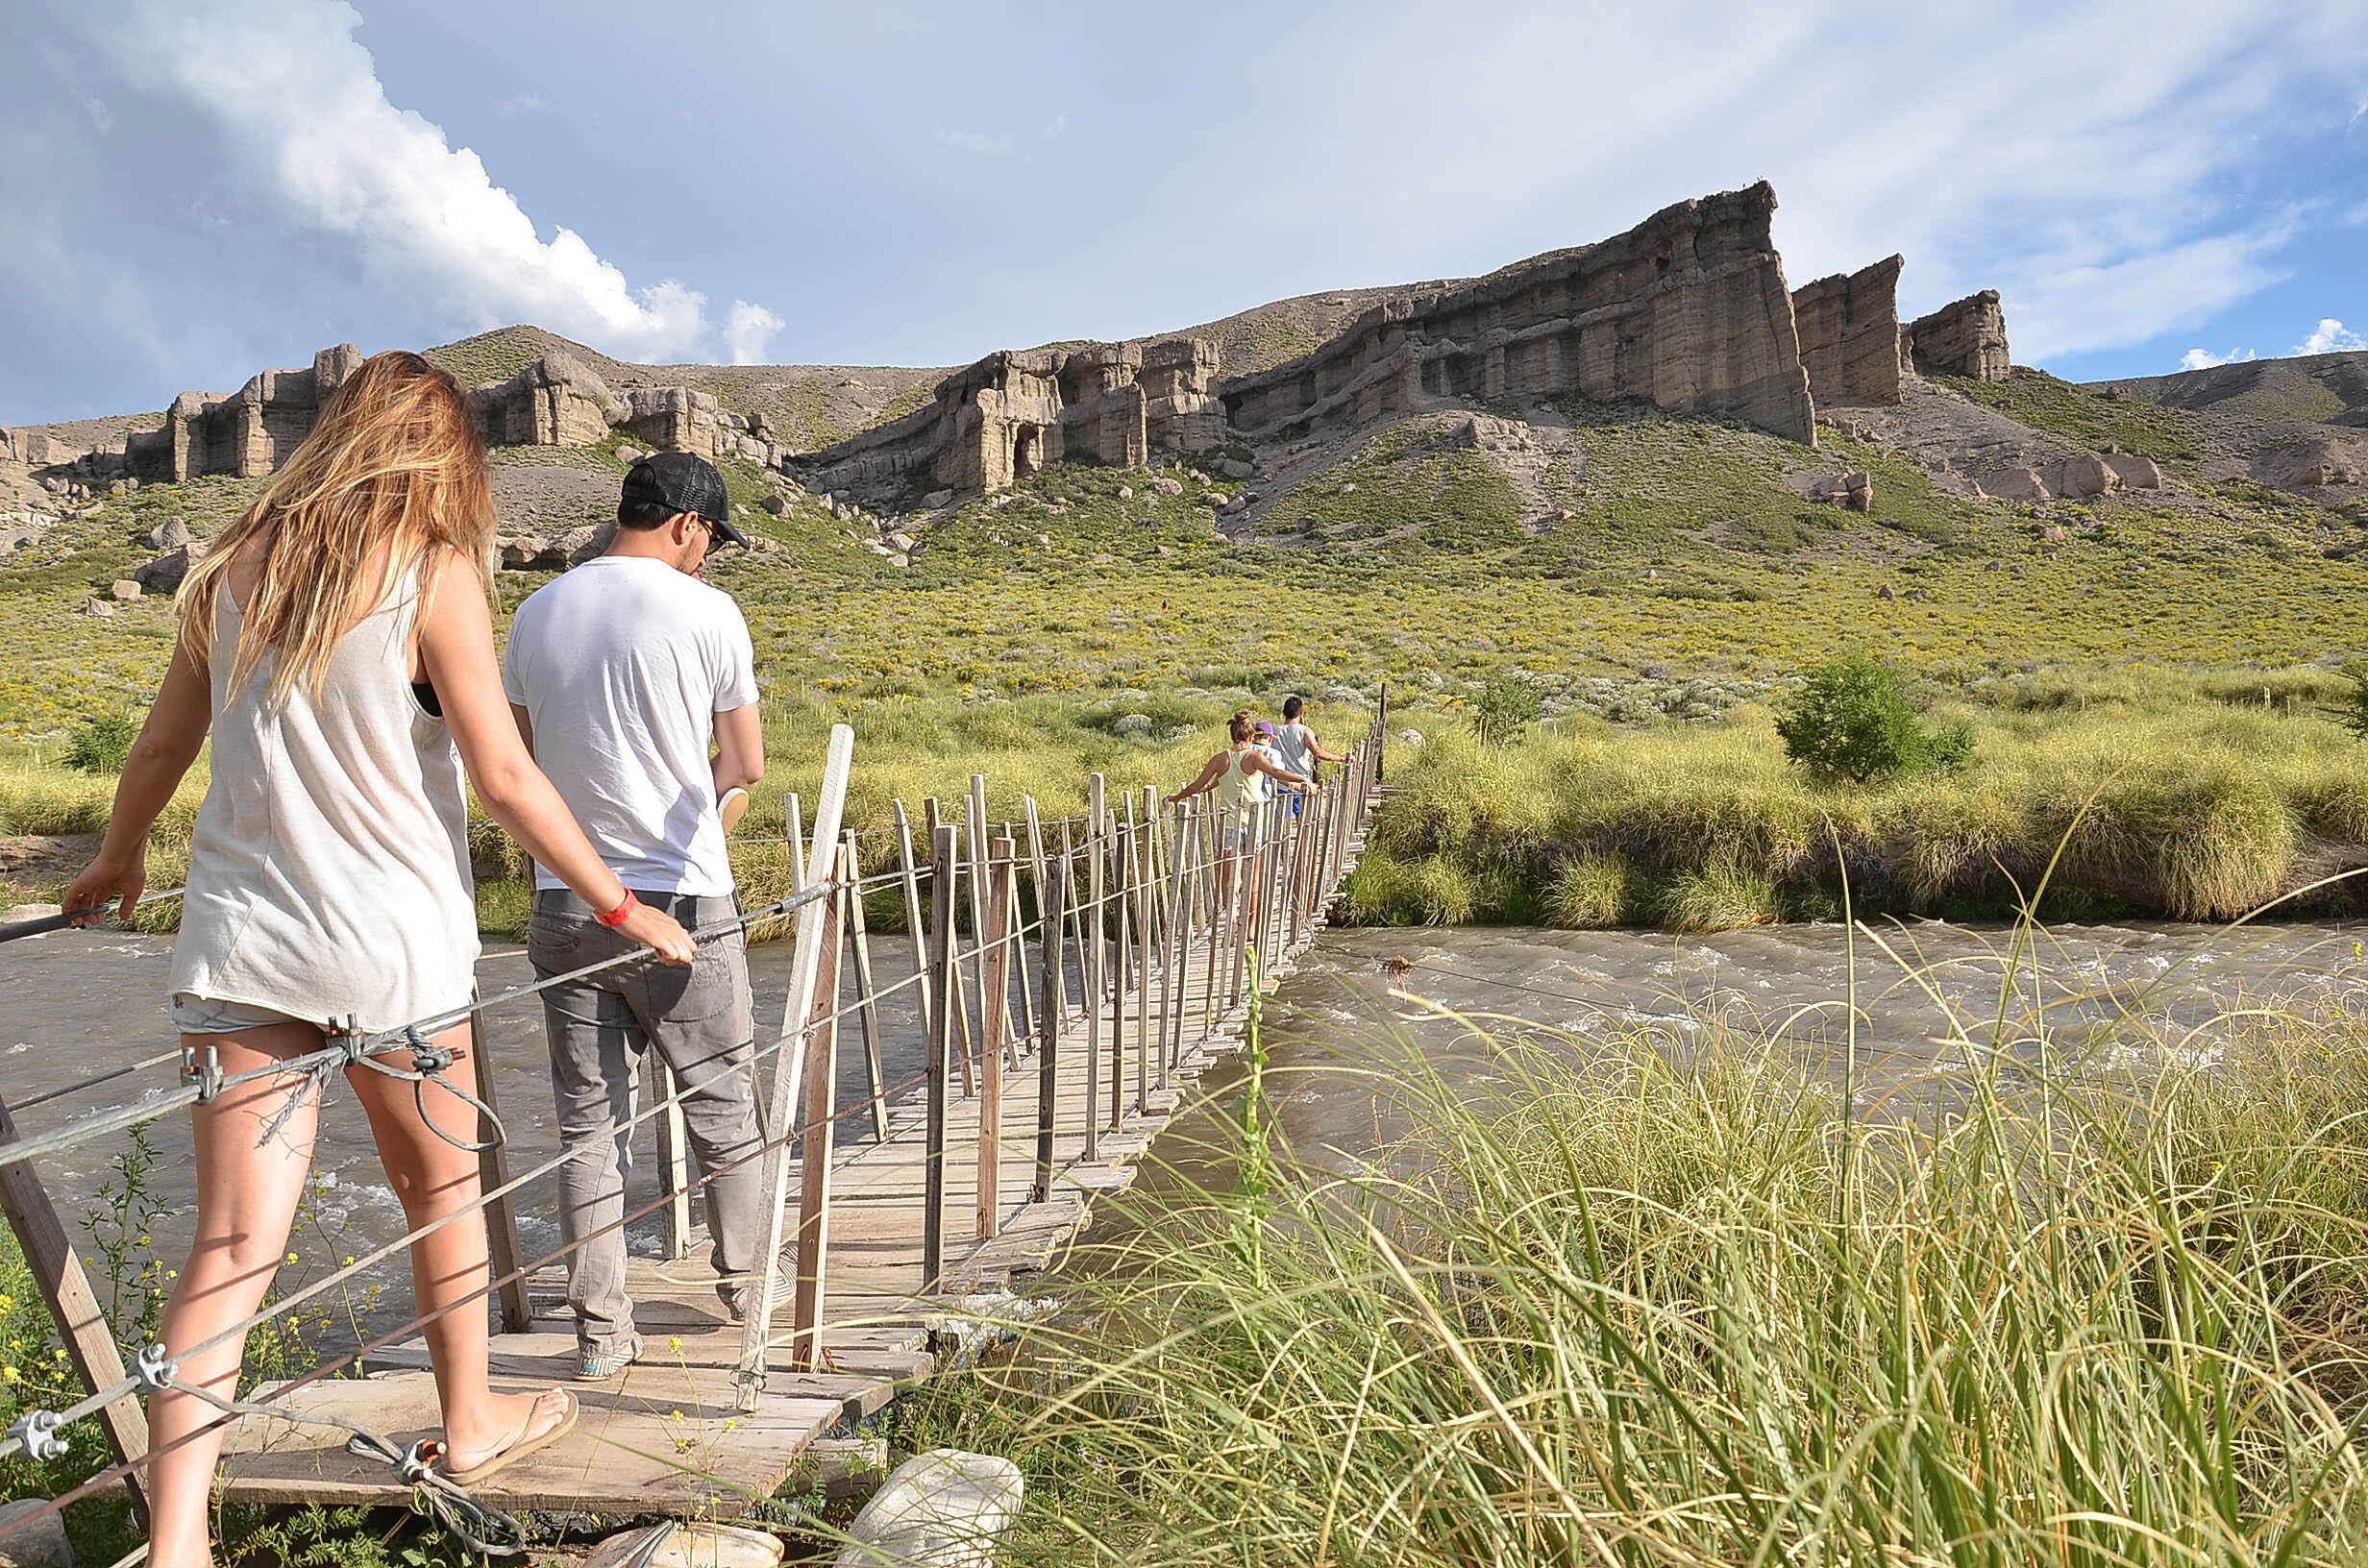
{"x": 702, "y": 1018}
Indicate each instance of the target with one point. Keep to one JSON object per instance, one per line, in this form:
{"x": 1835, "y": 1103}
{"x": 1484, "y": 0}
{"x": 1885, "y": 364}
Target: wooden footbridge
{"x": 1061, "y": 986}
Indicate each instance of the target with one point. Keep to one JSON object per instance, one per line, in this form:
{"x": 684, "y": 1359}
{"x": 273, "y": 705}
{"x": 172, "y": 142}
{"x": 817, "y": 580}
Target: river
{"x": 84, "y": 1001}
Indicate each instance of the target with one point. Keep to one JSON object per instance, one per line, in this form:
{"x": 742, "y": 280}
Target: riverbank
{"x": 2177, "y": 800}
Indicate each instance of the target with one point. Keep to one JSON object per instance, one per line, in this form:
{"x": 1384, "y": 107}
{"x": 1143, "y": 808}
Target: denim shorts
{"x": 195, "y": 1015}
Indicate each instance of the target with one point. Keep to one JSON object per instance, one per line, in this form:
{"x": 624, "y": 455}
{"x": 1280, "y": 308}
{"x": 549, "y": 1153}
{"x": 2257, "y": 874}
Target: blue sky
{"x": 198, "y": 189}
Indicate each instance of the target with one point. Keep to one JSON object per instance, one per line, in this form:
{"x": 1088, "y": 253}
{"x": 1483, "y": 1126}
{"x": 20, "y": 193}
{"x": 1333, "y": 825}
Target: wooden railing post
{"x": 805, "y": 973}
{"x": 816, "y": 1142}
{"x": 1146, "y": 911}
{"x": 1055, "y": 892}
{"x": 1175, "y": 942}
{"x": 858, "y": 928}
{"x": 950, "y": 977}
{"x": 1094, "y": 954}
{"x": 1120, "y": 844}
{"x": 994, "y": 998}
{"x": 941, "y": 1049}
{"x": 503, "y": 1249}
{"x": 916, "y": 924}
{"x": 83, "y": 1329}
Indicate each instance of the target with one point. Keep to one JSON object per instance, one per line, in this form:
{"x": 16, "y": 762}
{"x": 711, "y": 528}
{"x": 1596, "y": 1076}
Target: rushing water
{"x": 84, "y": 1001}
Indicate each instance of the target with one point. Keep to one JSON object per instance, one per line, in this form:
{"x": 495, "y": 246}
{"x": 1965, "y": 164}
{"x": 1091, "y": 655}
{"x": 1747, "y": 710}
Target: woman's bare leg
{"x": 248, "y": 1187}
{"x": 434, "y": 1179}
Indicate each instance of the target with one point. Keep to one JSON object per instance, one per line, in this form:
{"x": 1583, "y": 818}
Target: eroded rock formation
{"x": 1967, "y": 337}
{"x": 246, "y": 435}
{"x": 1848, "y": 326}
{"x": 554, "y": 402}
{"x": 1012, "y": 413}
{"x": 1688, "y": 311}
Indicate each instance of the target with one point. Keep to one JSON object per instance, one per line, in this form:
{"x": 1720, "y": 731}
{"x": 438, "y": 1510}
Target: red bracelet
{"x": 623, "y": 912}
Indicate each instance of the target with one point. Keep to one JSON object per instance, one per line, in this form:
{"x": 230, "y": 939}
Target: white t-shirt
{"x": 1294, "y": 745}
{"x": 622, "y": 665}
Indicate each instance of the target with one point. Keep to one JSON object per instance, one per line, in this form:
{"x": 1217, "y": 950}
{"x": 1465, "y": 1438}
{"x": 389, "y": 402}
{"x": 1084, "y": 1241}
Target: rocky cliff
{"x": 1848, "y": 326}
{"x": 1966, "y": 337}
{"x": 1688, "y": 311}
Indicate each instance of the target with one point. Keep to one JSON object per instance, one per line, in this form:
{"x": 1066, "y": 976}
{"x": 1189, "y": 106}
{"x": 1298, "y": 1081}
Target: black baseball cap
{"x": 683, "y": 482}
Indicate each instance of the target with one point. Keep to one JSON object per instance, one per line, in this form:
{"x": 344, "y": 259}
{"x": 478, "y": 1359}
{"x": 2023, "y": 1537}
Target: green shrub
{"x": 102, "y": 744}
{"x": 2350, "y": 709}
{"x": 1507, "y": 707}
{"x": 1854, "y": 720}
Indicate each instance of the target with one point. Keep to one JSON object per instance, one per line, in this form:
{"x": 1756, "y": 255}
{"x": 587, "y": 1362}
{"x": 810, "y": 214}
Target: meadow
{"x": 2144, "y": 791}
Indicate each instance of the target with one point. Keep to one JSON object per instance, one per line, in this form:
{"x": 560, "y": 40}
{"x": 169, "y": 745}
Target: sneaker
{"x": 592, "y": 1368}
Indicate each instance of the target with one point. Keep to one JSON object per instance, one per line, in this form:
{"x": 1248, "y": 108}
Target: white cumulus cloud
{"x": 2205, "y": 358}
{"x": 304, "y": 115}
{"x": 2330, "y": 336}
{"x": 750, "y": 332}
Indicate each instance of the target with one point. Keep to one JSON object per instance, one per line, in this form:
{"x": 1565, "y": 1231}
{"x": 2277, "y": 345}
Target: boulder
{"x": 123, "y": 588}
{"x": 2017, "y": 484}
{"x": 1127, "y": 492}
{"x": 2055, "y": 533}
{"x": 1131, "y": 723}
{"x": 898, "y": 539}
{"x": 99, "y": 608}
{"x": 1166, "y": 486}
{"x": 525, "y": 553}
{"x": 676, "y": 1544}
{"x": 15, "y": 539}
{"x": 1234, "y": 468}
{"x": 1886, "y": 592}
{"x": 940, "y": 1509}
{"x": 777, "y": 503}
{"x": 170, "y": 535}
{"x": 2078, "y": 478}
{"x": 937, "y": 497}
{"x": 40, "y": 1545}
{"x": 578, "y": 545}
{"x": 166, "y": 573}
{"x": 2136, "y": 472}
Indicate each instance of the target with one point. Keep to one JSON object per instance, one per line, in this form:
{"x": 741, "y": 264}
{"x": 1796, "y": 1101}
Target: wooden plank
{"x": 1055, "y": 891}
{"x": 933, "y": 1147}
{"x": 1094, "y": 954}
{"x": 817, "y": 1139}
{"x": 814, "y": 923}
{"x": 994, "y": 1004}
{"x": 867, "y": 993}
{"x": 916, "y": 924}
{"x": 627, "y": 1455}
{"x": 502, "y": 1250}
{"x": 83, "y": 1329}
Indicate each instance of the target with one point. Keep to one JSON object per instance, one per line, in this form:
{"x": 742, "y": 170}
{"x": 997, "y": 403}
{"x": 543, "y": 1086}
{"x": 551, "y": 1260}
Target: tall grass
{"x": 2190, "y": 808}
{"x": 1648, "y": 1306}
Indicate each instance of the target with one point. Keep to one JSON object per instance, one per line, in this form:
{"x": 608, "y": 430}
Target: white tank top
{"x": 329, "y": 871}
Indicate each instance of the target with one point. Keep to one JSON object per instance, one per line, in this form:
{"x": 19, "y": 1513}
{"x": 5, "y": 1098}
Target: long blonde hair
{"x": 392, "y": 476}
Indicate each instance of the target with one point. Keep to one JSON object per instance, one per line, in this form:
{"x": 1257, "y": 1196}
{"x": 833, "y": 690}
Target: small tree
{"x": 102, "y": 744}
{"x": 1506, "y": 707}
{"x": 1854, "y": 720}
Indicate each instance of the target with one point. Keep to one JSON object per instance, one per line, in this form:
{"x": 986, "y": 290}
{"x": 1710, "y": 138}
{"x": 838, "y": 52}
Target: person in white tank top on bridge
{"x": 338, "y": 641}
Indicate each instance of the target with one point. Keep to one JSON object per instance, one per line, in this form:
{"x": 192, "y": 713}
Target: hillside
{"x": 2321, "y": 388}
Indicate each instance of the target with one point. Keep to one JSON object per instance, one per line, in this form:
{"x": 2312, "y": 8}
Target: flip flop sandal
{"x": 522, "y": 1445}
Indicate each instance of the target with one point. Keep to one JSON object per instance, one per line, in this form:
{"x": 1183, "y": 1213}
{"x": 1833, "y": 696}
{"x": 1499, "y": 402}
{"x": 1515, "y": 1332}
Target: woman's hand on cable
{"x": 107, "y": 880}
{"x": 660, "y": 933}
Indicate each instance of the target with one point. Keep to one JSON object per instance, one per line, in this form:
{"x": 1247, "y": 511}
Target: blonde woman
{"x": 338, "y": 644}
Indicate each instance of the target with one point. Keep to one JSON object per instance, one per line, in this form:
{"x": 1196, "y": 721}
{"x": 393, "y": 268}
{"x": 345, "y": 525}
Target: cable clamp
{"x": 37, "y": 1431}
{"x": 427, "y": 1056}
{"x": 154, "y": 1368}
{"x": 204, "y": 1069}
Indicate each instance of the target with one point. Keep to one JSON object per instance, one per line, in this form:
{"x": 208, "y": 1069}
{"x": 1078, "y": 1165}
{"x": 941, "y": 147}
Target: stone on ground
{"x": 32, "y": 1546}
{"x": 688, "y": 1546}
{"x": 940, "y": 1509}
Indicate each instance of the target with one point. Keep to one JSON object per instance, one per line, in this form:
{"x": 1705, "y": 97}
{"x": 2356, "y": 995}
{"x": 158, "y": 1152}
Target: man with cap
{"x": 635, "y": 684}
